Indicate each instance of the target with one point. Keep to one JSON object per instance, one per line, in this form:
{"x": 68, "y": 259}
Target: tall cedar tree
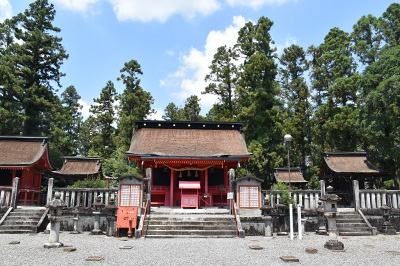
{"x": 39, "y": 59}
{"x": 135, "y": 103}
{"x": 104, "y": 116}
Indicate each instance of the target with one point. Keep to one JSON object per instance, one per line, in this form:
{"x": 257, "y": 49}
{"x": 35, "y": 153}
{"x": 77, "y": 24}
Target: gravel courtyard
{"x": 374, "y": 250}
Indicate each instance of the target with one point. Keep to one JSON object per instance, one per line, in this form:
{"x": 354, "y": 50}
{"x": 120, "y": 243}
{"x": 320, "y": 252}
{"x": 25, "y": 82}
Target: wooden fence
{"x": 8, "y": 195}
{"x": 307, "y": 198}
{"x": 374, "y": 198}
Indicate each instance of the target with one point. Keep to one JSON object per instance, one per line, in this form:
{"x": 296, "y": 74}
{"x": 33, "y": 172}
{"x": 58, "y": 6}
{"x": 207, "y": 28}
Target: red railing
{"x": 144, "y": 215}
{"x": 234, "y": 212}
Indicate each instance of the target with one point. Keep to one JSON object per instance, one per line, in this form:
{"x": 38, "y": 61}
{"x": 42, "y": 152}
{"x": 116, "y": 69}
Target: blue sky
{"x": 174, "y": 40}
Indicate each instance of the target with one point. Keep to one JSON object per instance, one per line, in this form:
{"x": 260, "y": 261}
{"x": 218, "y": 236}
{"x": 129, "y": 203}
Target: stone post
{"x": 231, "y": 186}
{"x": 299, "y": 226}
{"x": 356, "y": 191}
{"x": 266, "y": 211}
{"x": 14, "y": 193}
{"x": 98, "y": 205}
{"x": 50, "y": 190}
{"x": 75, "y": 219}
{"x": 55, "y": 217}
{"x": 331, "y": 214}
{"x": 111, "y": 211}
{"x": 321, "y": 220}
{"x": 322, "y": 187}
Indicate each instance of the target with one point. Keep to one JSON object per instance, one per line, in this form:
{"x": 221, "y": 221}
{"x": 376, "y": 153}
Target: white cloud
{"x": 255, "y": 3}
{"x": 157, "y": 116}
{"x": 161, "y": 10}
{"x": 85, "y": 108}
{"x": 170, "y": 52}
{"x": 279, "y": 47}
{"x": 77, "y": 5}
{"x": 5, "y": 10}
{"x": 194, "y": 65}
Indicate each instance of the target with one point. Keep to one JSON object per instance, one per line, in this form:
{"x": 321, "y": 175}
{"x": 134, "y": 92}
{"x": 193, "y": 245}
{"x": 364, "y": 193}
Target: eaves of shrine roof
{"x": 183, "y": 139}
{"x": 282, "y": 175}
{"x": 17, "y": 151}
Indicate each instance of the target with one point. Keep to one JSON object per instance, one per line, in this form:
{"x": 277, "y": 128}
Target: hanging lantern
{"x": 196, "y": 174}
{"x": 180, "y": 174}
{"x": 188, "y": 173}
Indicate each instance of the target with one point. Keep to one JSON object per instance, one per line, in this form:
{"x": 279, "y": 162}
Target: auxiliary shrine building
{"x": 188, "y": 162}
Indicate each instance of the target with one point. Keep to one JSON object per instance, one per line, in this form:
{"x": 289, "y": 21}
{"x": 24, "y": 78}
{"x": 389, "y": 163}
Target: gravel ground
{"x": 358, "y": 251}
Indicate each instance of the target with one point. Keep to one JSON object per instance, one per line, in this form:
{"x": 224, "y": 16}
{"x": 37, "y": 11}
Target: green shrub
{"x": 90, "y": 182}
{"x": 284, "y": 190}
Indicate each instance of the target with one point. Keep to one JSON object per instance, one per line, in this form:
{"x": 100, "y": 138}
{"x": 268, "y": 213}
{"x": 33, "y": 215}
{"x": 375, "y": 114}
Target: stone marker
{"x": 256, "y": 247}
{"x": 345, "y": 237}
{"x": 312, "y": 250}
{"x": 289, "y": 259}
{"x": 14, "y": 242}
{"x": 69, "y": 249}
{"x": 124, "y": 239}
{"x": 94, "y": 258}
{"x": 369, "y": 246}
{"x": 125, "y": 247}
{"x": 393, "y": 252}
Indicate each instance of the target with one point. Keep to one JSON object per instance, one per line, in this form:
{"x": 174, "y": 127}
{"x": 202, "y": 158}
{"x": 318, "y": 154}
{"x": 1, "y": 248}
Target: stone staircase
{"x": 22, "y": 220}
{"x": 352, "y": 224}
{"x": 189, "y": 223}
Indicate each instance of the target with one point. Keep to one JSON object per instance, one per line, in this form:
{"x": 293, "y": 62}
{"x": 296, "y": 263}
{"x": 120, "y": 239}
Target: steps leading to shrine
{"x": 22, "y": 220}
{"x": 352, "y": 224}
{"x": 191, "y": 223}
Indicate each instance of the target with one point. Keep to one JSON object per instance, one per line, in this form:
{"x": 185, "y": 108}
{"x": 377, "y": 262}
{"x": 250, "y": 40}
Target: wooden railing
{"x": 307, "y": 198}
{"x": 85, "y": 197}
{"x": 146, "y": 210}
{"x": 374, "y": 199}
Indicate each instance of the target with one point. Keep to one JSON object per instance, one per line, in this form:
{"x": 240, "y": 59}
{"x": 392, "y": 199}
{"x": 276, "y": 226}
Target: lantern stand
{"x": 331, "y": 214}
{"x": 281, "y": 207}
{"x": 55, "y": 217}
{"x": 387, "y": 227}
{"x": 111, "y": 211}
{"x": 98, "y": 205}
{"x": 266, "y": 211}
{"x": 75, "y": 219}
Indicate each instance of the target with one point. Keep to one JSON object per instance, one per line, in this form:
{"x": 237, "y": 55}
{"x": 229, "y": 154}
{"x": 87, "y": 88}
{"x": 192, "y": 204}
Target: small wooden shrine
{"x": 296, "y": 176}
{"x": 25, "y": 158}
{"x": 78, "y": 168}
{"x": 189, "y": 161}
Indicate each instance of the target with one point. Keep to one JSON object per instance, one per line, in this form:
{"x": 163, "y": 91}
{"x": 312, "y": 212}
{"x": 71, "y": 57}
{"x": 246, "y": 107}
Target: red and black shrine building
{"x": 25, "y": 158}
{"x": 188, "y": 162}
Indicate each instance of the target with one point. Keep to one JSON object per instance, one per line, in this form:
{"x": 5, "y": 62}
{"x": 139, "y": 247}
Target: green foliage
{"x": 118, "y": 165}
{"x": 284, "y": 191}
{"x": 89, "y": 182}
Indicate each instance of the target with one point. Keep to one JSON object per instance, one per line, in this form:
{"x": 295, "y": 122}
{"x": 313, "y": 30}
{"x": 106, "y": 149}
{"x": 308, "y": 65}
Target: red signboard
{"x": 190, "y": 200}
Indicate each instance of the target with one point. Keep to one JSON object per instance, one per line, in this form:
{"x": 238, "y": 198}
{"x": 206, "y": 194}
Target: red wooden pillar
{"x": 171, "y": 188}
{"x": 226, "y": 183}
{"x": 206, "y": 181}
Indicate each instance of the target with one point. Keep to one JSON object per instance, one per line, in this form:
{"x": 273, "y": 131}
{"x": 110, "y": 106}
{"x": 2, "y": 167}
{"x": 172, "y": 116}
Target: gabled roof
{"x": 169, "y": 139}
{"x": 348, "y": 163}
{"x": 79, "y": 167}
{"x": 20, "y": 152}
{"x": 282, "y": 175}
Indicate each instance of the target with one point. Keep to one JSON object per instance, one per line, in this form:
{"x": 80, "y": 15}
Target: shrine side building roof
{"x": 348, "y": 163}
{"x": 20, "y": 152}
{"x": 169, "y": 139}
{"x": 282, "y": 175}
{"x": 77, "y": 167}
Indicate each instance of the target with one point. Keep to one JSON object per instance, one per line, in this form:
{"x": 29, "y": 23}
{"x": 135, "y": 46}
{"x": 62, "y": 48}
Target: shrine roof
{"x": 17, "y": 151}
{"x": 348, "y": 163}
{"x": 79, "y": 167}
{"x": 183, "y": 139}
{"x": 282, "y": 175}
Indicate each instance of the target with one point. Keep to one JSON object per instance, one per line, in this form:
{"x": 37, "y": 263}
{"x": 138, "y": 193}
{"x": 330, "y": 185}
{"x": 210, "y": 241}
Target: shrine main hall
{"x": 188, "y": 162}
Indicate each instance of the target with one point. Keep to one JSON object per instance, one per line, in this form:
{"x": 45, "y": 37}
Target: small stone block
{"x": 368, "y": 246}
{"x": 125, "y": 247}
{"x": 312, "y": 250}
{"x": 393, "y": 252}
{"x": 124, "y": 239}
{"x": 256, "y": 247}
{"x": 254, "y": 240}
{"x": 69, "y": 249}
{"x": 94, "y": 258}
{"x": 289, "y": 259}
{"x": 14, "y": 242}
{"x": 345, "y": 237}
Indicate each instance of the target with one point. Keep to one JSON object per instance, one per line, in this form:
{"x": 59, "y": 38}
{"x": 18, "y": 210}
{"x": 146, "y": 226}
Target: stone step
{"x": 190, "y": 218}
{"x": 363, "y": 233}
{"x": 190, "y": 236}
{"x": 26, "y": 222}
{"x": 341, "y": 221}
{"x": 353, "y": 229}
{"x": 179, "y": 222}
{"x": 191, "y": 232}
{"x": 190, "y": 227}
{"x": 352, "y": 216}
{"x": 350, "y": 225}
{"x": 14, "y": 231}
{"x": 24, "y": 215}
{"x": 17, "y": 227}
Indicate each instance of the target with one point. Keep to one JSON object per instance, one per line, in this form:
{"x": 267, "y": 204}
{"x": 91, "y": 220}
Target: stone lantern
{"x": 331, "y": 214}
{"x": 281, "y": 214}
{"x": 266, "y": 211}
{"x": 97, "y": 207}
{"x": 55, "y": 217}
{"x": 321, "y": 219}
{"x": 387, "y": 228}
{"x": 111, "y": 211}
{"x": 75, "y": 219}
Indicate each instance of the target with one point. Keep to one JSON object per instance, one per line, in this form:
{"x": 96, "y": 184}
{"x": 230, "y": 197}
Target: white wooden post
{"x": 368, "y": 200}
{"x": 362, "y": 196}
{"x": 378, "y": 200}
{"x": 373, "y": 201}
{"x": 356, "y": 190}
{"x": 14, "y": 192}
